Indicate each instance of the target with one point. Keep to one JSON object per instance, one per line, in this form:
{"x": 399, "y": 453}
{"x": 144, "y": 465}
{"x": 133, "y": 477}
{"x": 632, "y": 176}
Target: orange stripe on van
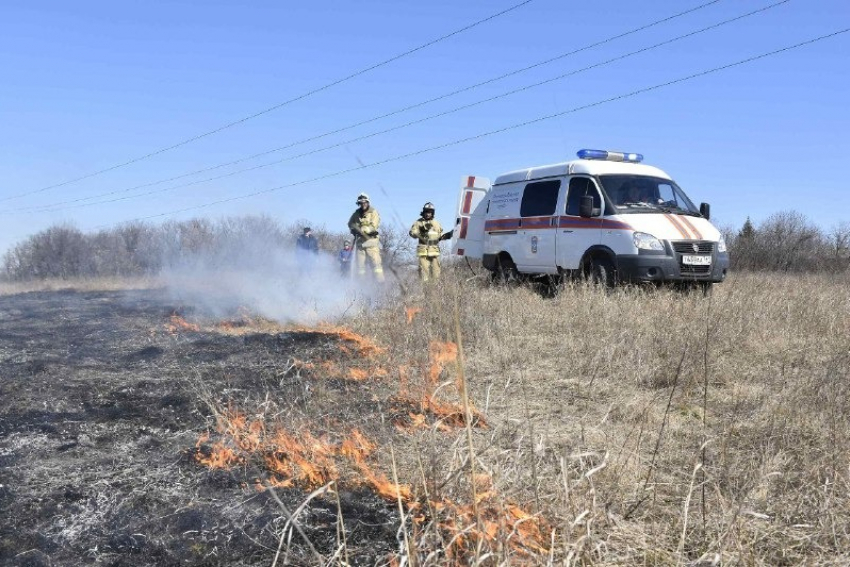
{"x": 691, "y": 226}
{"x": 675, "y": 222}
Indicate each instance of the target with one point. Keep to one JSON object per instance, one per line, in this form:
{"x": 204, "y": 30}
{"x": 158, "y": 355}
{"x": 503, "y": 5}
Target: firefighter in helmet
{"x": 428, "y": 233}
{"x": 363, "y": 224}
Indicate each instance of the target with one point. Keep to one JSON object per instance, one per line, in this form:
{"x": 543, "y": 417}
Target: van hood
{"x": 669, "y": 226}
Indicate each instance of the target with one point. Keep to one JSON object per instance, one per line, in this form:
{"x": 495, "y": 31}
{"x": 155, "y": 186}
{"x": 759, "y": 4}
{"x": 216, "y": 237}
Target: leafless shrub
{"x": 789, "y": 242}
{"x": 139, "y": 249}
{"x": 397, "y": 247}
{"x": 58, "y": 252}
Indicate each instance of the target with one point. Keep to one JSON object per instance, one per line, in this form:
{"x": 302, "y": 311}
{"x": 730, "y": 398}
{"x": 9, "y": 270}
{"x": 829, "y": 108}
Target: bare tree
{"x": 397, "y": 248}
{"x": 839, "y": 237}
{"x": 785, "y": 242}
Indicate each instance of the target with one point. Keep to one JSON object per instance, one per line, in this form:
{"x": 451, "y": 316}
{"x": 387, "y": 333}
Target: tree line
{"x": 784, "y": 242}
{"x": 789, "y": 242}
{"x": 141, "y": 249}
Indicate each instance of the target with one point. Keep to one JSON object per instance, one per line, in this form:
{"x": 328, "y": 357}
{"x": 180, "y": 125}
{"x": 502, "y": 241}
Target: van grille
{"x": 688, "y": 270}
{"x": 687, "y": 247}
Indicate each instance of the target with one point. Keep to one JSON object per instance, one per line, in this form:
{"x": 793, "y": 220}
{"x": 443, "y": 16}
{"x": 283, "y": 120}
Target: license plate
{"x": 696, "y": 260}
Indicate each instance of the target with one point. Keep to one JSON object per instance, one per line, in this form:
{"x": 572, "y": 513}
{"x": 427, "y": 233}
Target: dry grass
{"x": 647, "y": 426}
{"x": 637, "y": 427}
{"x": 80, "y": 284}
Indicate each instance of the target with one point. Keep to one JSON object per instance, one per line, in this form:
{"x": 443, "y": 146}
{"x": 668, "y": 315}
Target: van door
{"x": 538, "y": 227}
{"x": 468, "y": 235}
{"x": 575, "y": 233}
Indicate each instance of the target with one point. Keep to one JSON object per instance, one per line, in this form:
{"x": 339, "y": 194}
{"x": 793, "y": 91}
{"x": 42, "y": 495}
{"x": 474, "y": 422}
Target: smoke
{"x": 269, "y": 279}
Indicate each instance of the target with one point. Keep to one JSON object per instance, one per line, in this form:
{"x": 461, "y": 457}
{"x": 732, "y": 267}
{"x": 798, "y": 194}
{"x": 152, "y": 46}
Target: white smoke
{"x": 271, "y": 281}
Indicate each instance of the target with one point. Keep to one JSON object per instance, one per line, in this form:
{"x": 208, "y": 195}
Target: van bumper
{"x": 662, "y": 268}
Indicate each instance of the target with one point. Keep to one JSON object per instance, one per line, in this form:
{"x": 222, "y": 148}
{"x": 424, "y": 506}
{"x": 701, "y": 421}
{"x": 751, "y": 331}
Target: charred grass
{"x": 457, "y": 424}
{"x": 105, "y": 406}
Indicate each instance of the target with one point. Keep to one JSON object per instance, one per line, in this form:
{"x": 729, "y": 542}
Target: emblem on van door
{"x": 695, "y": 246}
{"x": 534, "y": 245}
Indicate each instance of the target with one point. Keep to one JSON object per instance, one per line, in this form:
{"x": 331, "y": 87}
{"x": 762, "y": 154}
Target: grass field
{"x": 654, "y": 427}
{"x": 630, "y": 427}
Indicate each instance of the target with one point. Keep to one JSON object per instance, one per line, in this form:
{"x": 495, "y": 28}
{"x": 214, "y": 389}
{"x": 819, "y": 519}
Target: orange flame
{"x": 365, "y": 374}
{"x": 358, "y": 374}
{"x": 446, "y": 414}
{"x": 440, "y": 354}
{"x": 216, "y": 456}
{"x": 177, "y": 323}
{"x": 384, "y": 487}
{"x": 364, "y": 346}
{"x": 411, "y": 312}
{"x": 304, "y": 460}
{"x": 496, "y": 524}
{"x": 309, "y": 461}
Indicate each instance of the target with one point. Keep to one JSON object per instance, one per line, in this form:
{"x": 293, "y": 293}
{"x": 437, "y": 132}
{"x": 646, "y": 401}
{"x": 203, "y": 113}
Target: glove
{"x": 424, "y": 229}
{"x": 447, "y": 236}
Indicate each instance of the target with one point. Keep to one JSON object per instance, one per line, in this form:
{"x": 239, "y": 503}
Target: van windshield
{"x": 643, "y": 194}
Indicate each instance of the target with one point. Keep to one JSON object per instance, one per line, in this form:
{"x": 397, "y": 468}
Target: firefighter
{"x": 428, "y": 232}
{"x": 364, "y": 224}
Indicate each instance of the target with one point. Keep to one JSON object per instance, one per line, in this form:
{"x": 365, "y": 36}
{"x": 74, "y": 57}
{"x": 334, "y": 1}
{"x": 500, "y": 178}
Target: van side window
{"x": 579, "y": 187}
{"x": 539, "y": 198}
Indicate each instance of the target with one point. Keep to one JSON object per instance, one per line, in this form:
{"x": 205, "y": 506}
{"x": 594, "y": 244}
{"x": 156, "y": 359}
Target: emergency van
{"x": 605, "y": 216}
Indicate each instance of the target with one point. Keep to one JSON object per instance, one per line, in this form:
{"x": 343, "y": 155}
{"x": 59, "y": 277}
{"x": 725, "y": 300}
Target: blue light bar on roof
{"x": 609, "y": 156}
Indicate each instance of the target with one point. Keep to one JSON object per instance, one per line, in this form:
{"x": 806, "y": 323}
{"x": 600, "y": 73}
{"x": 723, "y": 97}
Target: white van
{"x": 604, "y": 215}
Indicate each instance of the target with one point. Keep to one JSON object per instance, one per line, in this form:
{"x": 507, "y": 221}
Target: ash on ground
{"x": 102, "y": 408}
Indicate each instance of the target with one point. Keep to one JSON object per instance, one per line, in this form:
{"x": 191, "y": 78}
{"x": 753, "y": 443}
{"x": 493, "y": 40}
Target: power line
{"x": 500, "y": 130}
{"x": 279, "y": 105}
{"x": 48, "y": 208}
{"x": 379, "y": 117}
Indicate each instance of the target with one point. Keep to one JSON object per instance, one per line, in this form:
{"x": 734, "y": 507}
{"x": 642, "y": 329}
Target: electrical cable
{"x": 276, "y": 106}
{"x": 55, "y": 208}
{"x": 58, "y": 206}
{"x": 497, "y": 131}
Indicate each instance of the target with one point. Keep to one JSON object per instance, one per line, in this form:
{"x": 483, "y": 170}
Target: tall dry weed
{"x": 620, "y": 414}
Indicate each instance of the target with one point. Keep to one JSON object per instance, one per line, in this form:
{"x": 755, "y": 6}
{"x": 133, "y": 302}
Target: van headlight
{"x": 644, "y": 241}
{"x": 721, "y": 244}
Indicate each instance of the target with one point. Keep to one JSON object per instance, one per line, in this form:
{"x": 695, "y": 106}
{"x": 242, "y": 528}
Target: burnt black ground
{"x": 100, "y": 410}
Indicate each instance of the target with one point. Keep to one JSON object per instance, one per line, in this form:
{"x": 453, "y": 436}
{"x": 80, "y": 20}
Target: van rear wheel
{"x": 505, "y": 272}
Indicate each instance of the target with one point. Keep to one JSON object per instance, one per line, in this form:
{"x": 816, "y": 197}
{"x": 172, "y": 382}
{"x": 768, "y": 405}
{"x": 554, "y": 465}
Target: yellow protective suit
{"x": 364, "y": 225}
{"x": 428, "y": 233}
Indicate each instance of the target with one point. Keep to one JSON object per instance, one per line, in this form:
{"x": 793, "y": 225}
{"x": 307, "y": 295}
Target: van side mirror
{"x": 705, "y": 210}
{"x": 586, "y": 207}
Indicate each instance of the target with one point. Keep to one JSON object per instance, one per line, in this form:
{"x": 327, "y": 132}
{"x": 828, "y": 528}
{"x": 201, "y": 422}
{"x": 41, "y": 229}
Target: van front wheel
{"x": 602, "y": 271}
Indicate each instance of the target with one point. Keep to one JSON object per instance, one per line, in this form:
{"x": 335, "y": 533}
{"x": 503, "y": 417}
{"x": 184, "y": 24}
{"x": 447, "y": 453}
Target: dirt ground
{"x": 103, "y": 406}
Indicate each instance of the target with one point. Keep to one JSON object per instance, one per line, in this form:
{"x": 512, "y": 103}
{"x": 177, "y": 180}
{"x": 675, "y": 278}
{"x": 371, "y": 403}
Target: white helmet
{"x": 362, "y": 198}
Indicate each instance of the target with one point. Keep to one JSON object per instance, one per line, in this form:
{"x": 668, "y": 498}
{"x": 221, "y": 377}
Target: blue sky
{"x": 89, "y": 85}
